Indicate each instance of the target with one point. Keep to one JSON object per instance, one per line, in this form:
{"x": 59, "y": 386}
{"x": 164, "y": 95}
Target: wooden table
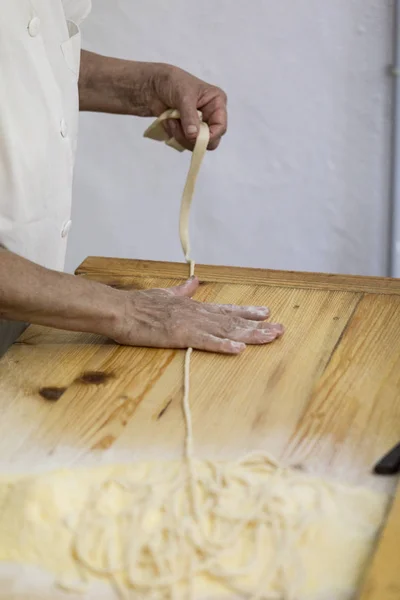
{"x": 326, "y": 396}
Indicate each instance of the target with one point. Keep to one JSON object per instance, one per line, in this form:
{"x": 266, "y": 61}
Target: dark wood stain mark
{"x": 125, "y": 411}
{"x": 336, "y": 318}
{"x": 296, "y": 306}
{"x": 164, "y": 410}
{"x": 94, "y": 377}
{"x": 105, "y": 443}
{"x": 52, "y": 393}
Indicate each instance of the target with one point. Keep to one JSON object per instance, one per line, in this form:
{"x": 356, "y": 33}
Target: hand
{"x": 174, "y": 88}
{"x": 169, "y": 318}
{"x": 148, "y": 89}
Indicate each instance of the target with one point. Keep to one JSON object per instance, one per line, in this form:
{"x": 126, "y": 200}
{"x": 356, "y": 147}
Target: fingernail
{"x": 239, "y": 346}
{"x": 260, "y": 310}
{"x": 191, "y": 129}
{"x": 277, "y": 327}
{"x": 267, "y": 334}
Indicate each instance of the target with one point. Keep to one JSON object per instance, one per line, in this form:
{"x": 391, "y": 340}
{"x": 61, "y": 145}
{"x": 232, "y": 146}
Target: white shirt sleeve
{"x": 77, "y": 10}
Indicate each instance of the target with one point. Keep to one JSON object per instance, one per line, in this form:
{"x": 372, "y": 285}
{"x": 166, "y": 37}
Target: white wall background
{"x": 301, "y": 180}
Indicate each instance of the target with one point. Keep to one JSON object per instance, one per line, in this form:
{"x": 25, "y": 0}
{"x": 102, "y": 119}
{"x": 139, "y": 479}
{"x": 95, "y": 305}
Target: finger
{"x": 214, "y": 144}
{"x": 223, "y": 325}
{"x": 216, "y": 116}
{"x": 189, "y": 117}
{"x": 279, "y": 328}
{"x": 186, "y": 289}
{"x": 254, "y": 313}
{"x": 253, "y": 336}
{"x": 212, "y": 343}
{"x": 236, "y": 328}
{"x": 175, "y": 130}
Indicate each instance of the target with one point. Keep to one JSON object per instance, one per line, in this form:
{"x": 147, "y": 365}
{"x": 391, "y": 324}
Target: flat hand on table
{"x": 169, "y": 318}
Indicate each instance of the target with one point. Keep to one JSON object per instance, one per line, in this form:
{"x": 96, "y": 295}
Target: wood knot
{"x": 52, "y": 393}
{"x": 94, "y": 377}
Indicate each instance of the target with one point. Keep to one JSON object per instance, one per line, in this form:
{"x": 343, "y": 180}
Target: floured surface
{"x": 286, "y": 533}
{"x": 324, "y": 397}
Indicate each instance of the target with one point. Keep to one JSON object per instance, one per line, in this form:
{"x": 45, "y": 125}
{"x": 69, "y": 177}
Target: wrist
{"x": 140, "y": 87}
{"x": 122, "y": 86}
{"x": 108, "y": 312}
{"x": 114, "y": 85}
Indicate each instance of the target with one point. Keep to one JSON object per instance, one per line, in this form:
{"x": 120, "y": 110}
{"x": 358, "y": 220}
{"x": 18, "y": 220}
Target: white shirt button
{"x": 34, "y": 26}
{"x": 65, "y": 229}
{"x": 63, "y": 128}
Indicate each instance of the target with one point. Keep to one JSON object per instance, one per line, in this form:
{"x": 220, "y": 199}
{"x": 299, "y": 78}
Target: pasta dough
{"x": 263, "y": 531}
{"x": 192, "y": 529}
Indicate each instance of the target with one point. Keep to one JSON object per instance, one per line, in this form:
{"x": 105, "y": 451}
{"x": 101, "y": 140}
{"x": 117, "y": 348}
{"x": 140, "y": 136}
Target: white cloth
{"x": 39, "y": 66}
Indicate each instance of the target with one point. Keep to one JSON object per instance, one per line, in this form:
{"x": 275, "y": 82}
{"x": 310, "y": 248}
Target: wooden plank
{"x": 324, "y": 397}
{"x": 358, "y": 399}
{"x": 356, "y": 402}
{"x": 234, "y": 414}
{"x": 383, "y": 579}
{"x": 259, "y": 409}
{"x": 124, "y": 272}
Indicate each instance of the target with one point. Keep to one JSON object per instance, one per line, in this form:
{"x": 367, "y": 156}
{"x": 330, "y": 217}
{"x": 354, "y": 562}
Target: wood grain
{"x": 125, "y": 272}
{"x": 325, "y": 397}
{"x": 259, "y": 409}
{"x": 356, "y": 400}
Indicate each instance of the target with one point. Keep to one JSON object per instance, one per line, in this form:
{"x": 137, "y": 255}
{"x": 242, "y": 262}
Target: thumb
{"x": 186, "y": 289}
{"x": 189, "y": 118}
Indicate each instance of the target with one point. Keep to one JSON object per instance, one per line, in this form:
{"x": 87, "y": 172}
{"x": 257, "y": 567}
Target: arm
{"x": 117, "y": 86}
{"x": 147, "y": 89}
{"x": 156, "y": 318}
{"x": 33, "y": 294}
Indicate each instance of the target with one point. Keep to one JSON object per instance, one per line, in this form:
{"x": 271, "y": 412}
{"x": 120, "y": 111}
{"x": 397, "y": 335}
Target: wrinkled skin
{"x": 172, "y": 87}
{"x": 169, "y": 318}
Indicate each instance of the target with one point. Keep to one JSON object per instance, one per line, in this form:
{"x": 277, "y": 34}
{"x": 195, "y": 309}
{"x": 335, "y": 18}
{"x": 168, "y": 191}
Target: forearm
{"x": 33, "y": 294}
{"x": 117, "y": 86}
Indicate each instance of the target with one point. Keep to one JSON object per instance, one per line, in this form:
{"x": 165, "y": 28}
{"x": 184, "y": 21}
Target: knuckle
{"x": 229, "y": 325}
{"x": 221, "y": 95}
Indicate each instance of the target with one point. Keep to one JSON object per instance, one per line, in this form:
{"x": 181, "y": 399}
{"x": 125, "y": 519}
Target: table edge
{"x": 116, "y": 268}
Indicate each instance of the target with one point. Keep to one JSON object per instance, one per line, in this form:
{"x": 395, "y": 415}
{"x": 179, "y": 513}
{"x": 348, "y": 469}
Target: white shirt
{"x": 39, "y": 66}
